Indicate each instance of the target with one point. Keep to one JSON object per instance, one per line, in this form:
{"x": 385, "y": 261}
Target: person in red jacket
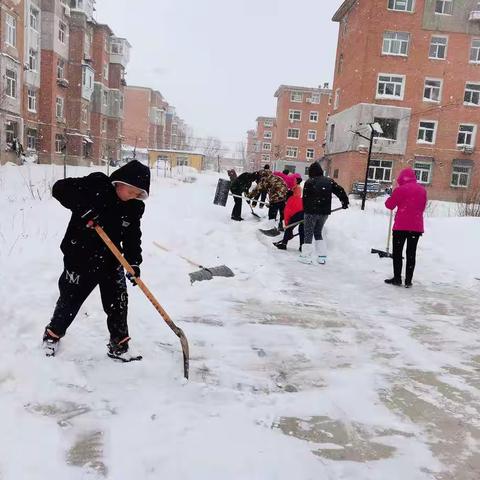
{"x": 293, "y": 213}
{"x": 410, "y": 200}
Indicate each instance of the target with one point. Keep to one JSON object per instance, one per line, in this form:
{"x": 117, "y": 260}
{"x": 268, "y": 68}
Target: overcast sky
{"x": 219, "y": 62}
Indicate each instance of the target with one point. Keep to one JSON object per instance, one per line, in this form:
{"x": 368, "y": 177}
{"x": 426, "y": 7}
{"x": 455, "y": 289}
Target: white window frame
{"x": 310, "y": 154}
{"x": 295, "y": 115}
{"x": 62, "y": 32}
{"x": 423, "y": 172}
{"x": 105, "y": 99}
{"x": 60, "y": 68}
{"x": 424, "y": 129}
{"x": 388, "y": 96}
{"x": 11, "y": 30}
{"x": 296, "y": 97}
{"x": 267, "y": 134}
{"x": 393, "y": 5}
{"x": 59, "y": 141}
{"x": 472, "y": 135}
{"x": 315, "y": 97}
{"x": 444, "y": 4}
{"x": 60, "y": 108}
{"x": 84, "y": 114}
{"x": 432, "y": 88}
{"x": 461, "y": 174}
{"x": 383, "y": 166}
{"x": 313, "y": 117}
{"x": 475, "y": 51}
{"x": 265, "y": 157}
{"x": 390, "y": 45}
{"x": 11, "y": 83}
{"x": 268, "y": 123}
{"x": 292, "y": 136}
{"x": 312, "y": 135}
{"x": 474, "y": 94}
{"x": 266, "y": 147}
{"x": 437, "y": 47}
{"x": 29, "y": 137}
{"x": 105, "y": 71}
{"x": 34, "y": 18}
{"x": 33, "y": 60}
{"x": 331, "y": 134}
{"x": 32, "y": 100}
{"x": 336, "y": 100}
{"x": 291, "y": 152}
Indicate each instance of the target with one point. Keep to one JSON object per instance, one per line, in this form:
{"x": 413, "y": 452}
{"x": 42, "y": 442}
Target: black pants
{"x": 76, "y": 284}
{"x": 237, "y": 208}
{"x": 274, "y": 209}
{"x": 262, "y": 196}
{"x": 288, "y": 235}
{"x": 399, "y": 239}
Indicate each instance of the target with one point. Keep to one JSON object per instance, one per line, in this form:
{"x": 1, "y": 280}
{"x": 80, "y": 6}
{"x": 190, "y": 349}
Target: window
{"x": 312, "y": 135}
{"x": 105, "y": 99}
{"x": 391, "y": 86}
{"x": 332, "y": 132}
{"x": 267, "y": 147}
{"x": 105, "y": 71}
{"x": 314, "y": 117}
{"x": 296, "y": 97}
{"x": 60, "y": 69}
{"x": 182, "y": 161}
{"x": 472, "y": 94}
{"x": 265, "y": 157}
{"x": 461, "y": 176}
{"x": 290, "y": 168}
{"x": 62, "y": 32}
{"x": 293, "y": 133}
{"x": 401, "y": 5}
{"x": 395, "y": 43}
{"x": 59, "y": 108}
{"x": 59, "y": 144}
{"x": 11, "y": 37}
{"x": 340, "y": 64}
{"x": 335, "y": 173}
{"x": 11, "y": 90}
{"x": 336, "y": 100}
{"x": 389, "y": 127}
{"x": 292, "y": 152}
{"x": 34, "y": 16}
{"x": 444, "y": 7}
{"x": 423, "y": 171}
{"x": 438, "y": 48}
{"x": 294, "y": 114}
{"x": 31, "y": 139}
{"x": 475, "y": 51}
{"x": 33, "y": 60}
{"x": 306, "y": 170}
{"x": 466, "y": 135}
{"x": 84, "y": 114}
{"x": 380, "y": 170}
{"x": 268, "y": 123}
{"x": 432, "y": 91}
{"x": 310, "y": 153}
{"x": 104, "y": 125}
{"x": 32, "y": 100}
{"x": 11, "y": 132}
{"x": 267, "y": 134}
{"x": 426, "y": 131}
{"x": 315, "y": 97}
{"x": 116, "y": 47}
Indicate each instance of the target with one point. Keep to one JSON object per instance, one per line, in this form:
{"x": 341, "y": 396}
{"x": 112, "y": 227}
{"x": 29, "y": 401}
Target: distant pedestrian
{"x": 410, "y": 199}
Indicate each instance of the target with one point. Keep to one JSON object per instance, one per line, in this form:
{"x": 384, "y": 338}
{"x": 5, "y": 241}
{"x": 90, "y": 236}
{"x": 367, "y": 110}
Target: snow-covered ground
{"x": 297, "y": 372}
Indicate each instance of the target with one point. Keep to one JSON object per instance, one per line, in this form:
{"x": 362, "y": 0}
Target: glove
{"x": 344, "y": 206}
{"x": 91, "y": 218}
{"x": 254, "y": 204}
{"x": 132, "y": 278}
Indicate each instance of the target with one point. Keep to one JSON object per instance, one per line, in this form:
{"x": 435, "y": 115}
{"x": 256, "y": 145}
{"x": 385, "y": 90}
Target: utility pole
{"x": 218, "y": 163}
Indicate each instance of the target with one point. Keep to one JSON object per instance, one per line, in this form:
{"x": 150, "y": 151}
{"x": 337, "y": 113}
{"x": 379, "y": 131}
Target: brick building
{"x": 419, "y": 78}
{"x": 264, "y": 143}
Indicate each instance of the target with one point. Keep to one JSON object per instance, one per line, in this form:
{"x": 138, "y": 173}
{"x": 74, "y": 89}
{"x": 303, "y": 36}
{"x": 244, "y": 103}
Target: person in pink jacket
{"x": 410, "y": 200}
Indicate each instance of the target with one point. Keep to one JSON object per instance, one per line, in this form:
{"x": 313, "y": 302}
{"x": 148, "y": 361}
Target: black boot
{"x": 408, "y": 283}
{"x": 280, "y": 245}
{"x": 394, "y": 281}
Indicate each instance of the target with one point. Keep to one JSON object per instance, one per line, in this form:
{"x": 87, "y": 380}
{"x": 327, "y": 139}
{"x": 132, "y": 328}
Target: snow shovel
{"x": 204, "y": 273}
{"x": 178, "y": 331}
{"x": 223, "y": 192}
{"x": 386, "y": 253}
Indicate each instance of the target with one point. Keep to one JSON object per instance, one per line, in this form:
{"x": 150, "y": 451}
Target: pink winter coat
{"x": 410, "y": 198}
{"x": 289, "y": 179}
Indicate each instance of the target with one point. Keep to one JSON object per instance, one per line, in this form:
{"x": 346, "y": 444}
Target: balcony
{"x": 474, "y": 16}
{"x": 120, "y": 51}
{"x": 63, "y": 82}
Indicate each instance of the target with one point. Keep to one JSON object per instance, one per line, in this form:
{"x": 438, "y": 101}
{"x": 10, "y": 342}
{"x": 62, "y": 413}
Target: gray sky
{"x": 220, "y": 61}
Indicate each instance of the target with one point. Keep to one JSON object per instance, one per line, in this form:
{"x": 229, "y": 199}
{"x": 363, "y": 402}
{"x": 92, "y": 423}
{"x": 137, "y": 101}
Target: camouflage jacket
{"x": 275, "y": 187}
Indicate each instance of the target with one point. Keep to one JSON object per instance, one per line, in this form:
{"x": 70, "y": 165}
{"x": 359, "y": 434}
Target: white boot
{"x": 306, "y": 256}
{"x": 321, "y": 251}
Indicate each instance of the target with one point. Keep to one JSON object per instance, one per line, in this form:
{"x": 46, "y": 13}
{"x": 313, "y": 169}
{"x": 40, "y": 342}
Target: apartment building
{"x": 419, "y": 78}
{"x": 300, "y": 126}
{"x": 264, "y": 145}
{"x": 251, "y": 154}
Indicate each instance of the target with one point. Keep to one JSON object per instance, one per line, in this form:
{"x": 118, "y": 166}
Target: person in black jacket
{"x": 115, "y": 203}
{"x": 239, "y": 186}
{"x": 317, "y": 206}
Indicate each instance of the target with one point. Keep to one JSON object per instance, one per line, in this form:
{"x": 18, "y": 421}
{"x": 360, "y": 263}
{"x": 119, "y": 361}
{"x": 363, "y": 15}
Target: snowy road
{"x": 297, "y": 372}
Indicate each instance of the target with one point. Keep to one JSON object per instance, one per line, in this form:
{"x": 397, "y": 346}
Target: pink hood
{"x": 288, "y": 179}
{"x": 410, "y": 199}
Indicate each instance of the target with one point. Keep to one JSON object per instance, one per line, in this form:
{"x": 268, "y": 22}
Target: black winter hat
{"x": 315, "y": 170}
{"x": 135, "y": 174}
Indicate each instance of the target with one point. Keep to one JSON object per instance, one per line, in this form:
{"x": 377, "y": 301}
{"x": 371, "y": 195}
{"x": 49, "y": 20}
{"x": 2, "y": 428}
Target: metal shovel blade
{"x": 381, "y": 253}
{"x": 273, "y": 232}
{"x": 209, "y": 273}
{"x": 221, "y": 194}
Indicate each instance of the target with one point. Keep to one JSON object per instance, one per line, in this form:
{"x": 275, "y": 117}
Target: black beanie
{"x": 315, "y": 170}
{"x": 135, "y": 174}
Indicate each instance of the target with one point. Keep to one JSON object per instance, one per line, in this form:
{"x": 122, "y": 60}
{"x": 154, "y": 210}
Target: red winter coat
{"x": 410, "y": 198}
{"x": 294, "y": 205}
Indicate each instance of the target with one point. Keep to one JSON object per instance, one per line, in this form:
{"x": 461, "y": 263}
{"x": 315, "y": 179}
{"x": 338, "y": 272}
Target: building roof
{"x": 259, "y": 119}
{"x": 282, "y": 88}
{"x": 168, "y": 150}
{"x": 343, "y": 10}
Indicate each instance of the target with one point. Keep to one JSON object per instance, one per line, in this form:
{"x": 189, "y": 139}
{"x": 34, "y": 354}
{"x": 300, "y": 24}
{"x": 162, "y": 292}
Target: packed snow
{"x": 301, "y": 372}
